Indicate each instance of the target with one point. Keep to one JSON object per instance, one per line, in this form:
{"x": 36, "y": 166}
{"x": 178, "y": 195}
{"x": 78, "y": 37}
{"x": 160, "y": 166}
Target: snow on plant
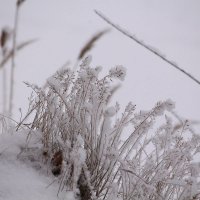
{"x": 95, "y": 156}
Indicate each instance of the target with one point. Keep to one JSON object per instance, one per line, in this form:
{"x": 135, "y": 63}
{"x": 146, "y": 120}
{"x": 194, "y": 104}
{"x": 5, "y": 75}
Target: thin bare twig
{"x": 13, "y": 60}
{"x": 146, "y": 46}
{"x": 3, "y": 41}
{"x": 14, "y": 47}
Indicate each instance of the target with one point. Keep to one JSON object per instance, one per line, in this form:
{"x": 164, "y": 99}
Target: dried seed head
{"x": 5, "y": 33}
{"x": 90, "y": 43}
{"x": 19, "y": 2}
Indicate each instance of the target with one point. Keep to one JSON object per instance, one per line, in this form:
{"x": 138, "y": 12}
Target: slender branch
{"x": 3, "y": 43}
{"x": 146, "y": 46}
{"x": 4, "y": 91}
{"x": 18, "y": 5}
{"x": 13, "y": 62}
{"x": 4, "y": 86}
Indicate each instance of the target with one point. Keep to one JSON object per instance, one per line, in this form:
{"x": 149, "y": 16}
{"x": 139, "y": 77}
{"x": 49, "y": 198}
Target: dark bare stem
{"x": 4, "y": 87}
{"x": 4, "y": 91}
{"x": 3, "y": 40}
{"x": 13, "y": 62}
{"x": 131, "y": 36}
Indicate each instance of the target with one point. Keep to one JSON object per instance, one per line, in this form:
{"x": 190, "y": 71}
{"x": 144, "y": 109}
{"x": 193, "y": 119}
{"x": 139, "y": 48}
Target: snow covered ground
{"x": 20, "y": 180}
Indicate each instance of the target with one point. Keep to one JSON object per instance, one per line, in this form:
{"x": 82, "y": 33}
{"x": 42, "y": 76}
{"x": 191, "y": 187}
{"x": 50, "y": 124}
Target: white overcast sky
{"x": 63, "y": 27}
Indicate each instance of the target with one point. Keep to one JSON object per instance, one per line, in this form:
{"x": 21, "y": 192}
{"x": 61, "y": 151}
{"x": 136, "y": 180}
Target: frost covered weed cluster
{"x": 87, "y": 146}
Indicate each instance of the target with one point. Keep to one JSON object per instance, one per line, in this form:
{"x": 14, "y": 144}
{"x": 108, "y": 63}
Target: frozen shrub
{"x": 100, "y": 158}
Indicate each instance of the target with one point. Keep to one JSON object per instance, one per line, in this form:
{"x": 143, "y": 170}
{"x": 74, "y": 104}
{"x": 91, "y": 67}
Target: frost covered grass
{"x": 79, "y": 147}
{"x": 86, "y": 145}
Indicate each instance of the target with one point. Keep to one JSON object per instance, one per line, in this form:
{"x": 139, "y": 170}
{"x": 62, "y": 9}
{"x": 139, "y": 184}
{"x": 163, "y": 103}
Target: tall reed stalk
{"x": 13, "y": 58}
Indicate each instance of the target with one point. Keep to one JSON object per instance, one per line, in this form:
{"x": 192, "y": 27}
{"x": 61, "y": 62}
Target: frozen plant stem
{"x": 13, "y": 60}
{"x": 4, "y": 38}
{"x": 4, "y": 91}
{"x": 146, "y": 46}
{"x": 4, "y": 87}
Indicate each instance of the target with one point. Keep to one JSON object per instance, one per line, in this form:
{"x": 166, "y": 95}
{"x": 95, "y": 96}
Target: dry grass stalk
{"x": 4, "y": 38}
{"x": 13, "y": 58}
{"x": 152, "y": 50}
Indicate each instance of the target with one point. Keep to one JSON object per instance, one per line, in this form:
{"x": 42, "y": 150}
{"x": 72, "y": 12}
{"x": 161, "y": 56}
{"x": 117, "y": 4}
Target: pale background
{"x": 64, "y": 26}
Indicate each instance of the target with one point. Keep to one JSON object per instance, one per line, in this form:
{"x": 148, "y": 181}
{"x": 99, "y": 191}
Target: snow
{"x": 19, "y": 180}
